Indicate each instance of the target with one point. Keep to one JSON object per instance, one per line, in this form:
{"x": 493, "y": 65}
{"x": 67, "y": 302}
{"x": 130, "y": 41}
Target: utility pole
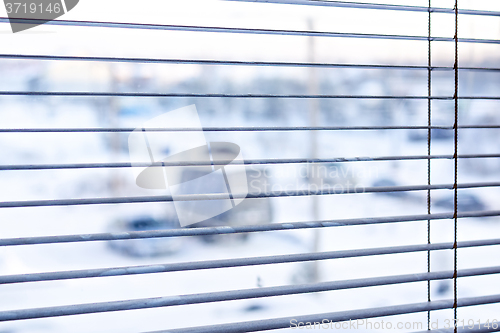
{"x": 314, "y": 181}
{"x": 114, "y": 109}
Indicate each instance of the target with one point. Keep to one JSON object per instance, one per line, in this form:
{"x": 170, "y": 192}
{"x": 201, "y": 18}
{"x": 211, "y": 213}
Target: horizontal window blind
{"x": 14, "y": 315}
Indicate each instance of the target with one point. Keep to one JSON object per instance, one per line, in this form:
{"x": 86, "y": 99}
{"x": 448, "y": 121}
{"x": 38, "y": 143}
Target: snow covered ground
{"x": 39, "y": 148}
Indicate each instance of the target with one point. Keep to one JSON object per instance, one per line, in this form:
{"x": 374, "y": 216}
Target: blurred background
{"x": 97, "y": 112}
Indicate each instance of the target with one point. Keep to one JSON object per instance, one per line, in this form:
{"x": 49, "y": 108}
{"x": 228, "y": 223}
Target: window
{"x": 242, "y": 166}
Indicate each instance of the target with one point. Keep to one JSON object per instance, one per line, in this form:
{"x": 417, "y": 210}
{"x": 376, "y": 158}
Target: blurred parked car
{"x": 436, "y": 134}
{"x": 466, "y": 202}
{"x": 385, "y": 182}
{"x": 332, "y": 174}
{"x": 249, "y": 212}
{"x": 147, "y": 247}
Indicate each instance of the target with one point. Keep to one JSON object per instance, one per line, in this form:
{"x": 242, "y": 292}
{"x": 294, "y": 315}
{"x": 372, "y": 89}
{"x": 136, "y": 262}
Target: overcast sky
{"x": 63, "y": 40}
